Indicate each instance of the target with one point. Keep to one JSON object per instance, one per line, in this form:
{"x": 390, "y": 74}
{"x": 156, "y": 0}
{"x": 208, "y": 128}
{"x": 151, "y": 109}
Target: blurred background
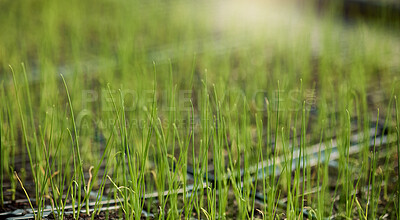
{"x": 116, "y": 38}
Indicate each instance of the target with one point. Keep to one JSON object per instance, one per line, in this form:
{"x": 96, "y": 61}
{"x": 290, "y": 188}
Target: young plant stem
{"x": 26, "y": 194}
{"x": 303, "y": 147}
{"x": 398, "y": 158}
{"x": 2, "y": 157}
{"x": 75, "y": 140}
{"x": 24, "y": 130}
{"x": 373, "y": 170}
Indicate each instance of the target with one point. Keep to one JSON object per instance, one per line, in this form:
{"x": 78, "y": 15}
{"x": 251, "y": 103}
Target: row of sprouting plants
{"x": 67, "y": 162}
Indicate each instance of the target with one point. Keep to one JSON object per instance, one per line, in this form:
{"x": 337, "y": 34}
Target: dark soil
{"x": 110, "y": 214}
{"x": 14, "y": 205}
